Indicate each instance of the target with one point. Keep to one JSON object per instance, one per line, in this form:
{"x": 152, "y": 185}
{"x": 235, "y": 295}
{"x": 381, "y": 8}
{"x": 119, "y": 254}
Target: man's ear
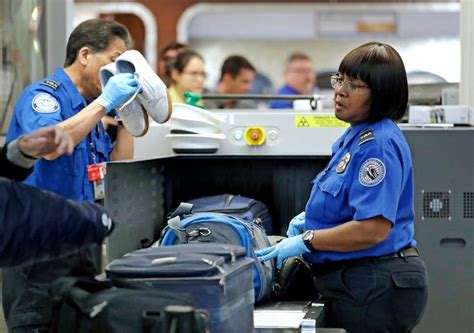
{"x": 83, "y": 55}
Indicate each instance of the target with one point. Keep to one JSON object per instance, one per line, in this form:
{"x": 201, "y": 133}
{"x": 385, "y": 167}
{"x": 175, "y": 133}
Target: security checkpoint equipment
{"x": 279, "y": 171}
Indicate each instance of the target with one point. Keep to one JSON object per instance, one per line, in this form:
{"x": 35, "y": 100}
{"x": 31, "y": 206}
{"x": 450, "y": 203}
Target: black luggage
{"x": 218, "y": 276}
{"x": 85, "y": 305}
{"x": 242, "y": 207}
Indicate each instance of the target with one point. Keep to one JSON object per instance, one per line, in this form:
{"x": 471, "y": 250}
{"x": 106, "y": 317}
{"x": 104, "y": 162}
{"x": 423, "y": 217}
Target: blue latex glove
{"x": 289, "y": 247}
{"x": 296, "y": 225}
{"x": 117, "y": 90}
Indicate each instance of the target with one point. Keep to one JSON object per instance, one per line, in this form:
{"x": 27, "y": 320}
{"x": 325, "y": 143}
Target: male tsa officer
{"x": 72, "y": 99}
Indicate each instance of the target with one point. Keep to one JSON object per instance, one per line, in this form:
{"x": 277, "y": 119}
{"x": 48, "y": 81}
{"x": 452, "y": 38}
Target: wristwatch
{"x": 308, "y": 236}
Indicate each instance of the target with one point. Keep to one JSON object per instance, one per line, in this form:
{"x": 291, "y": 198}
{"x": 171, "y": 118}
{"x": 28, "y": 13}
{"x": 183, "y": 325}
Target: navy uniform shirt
{"x": 370, "y": 174}
{"x": 49, "y": 102}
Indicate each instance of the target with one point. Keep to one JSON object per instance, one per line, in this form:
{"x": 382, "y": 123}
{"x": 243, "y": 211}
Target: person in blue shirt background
{"x": 71, "y": 98}
{"x": 357, "y": 231}
{"x": 299, "y": 79}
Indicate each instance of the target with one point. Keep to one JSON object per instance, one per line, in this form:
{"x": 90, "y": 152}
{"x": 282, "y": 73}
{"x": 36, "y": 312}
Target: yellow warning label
{"x": 319, "y": 121}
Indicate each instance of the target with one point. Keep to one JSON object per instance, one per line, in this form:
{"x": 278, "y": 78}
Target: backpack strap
{"x": 174, "y": 221}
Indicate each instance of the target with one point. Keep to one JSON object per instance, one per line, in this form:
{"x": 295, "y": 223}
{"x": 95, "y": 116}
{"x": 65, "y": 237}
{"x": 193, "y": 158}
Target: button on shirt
{"x": 49, "y": 102}
{"x": 370, "y": 174}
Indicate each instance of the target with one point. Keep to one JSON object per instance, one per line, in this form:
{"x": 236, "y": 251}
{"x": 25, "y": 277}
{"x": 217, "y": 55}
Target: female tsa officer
{"x": 359, "y": 217}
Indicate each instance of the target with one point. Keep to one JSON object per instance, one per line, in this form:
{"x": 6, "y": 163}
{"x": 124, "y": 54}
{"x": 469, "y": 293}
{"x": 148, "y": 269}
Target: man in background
{"x": 237, "y": 75}
{"x": 299, "y": 79}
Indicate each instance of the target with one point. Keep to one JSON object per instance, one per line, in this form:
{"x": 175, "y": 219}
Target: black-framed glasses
{"x": 337, "y": 82}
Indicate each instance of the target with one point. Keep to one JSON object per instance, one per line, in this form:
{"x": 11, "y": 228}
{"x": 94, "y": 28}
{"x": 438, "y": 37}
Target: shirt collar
{"x": 71, "y": 89}
{"x": 352, "y": 131}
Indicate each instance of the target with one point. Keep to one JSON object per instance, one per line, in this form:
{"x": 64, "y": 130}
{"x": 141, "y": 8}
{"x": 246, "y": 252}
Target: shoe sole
{"x": 145, "y": 116}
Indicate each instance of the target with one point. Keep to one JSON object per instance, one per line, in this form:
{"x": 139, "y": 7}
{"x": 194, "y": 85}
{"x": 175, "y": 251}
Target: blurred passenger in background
{"x": 187, "y": 75}
{"x": 237, "y": 75}
{"x": 168, "y": 55}
{"x": 299, "y": 80}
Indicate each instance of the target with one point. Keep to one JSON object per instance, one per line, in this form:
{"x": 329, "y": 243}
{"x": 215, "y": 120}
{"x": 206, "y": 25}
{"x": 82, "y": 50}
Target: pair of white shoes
{"x": 151, "y": 98}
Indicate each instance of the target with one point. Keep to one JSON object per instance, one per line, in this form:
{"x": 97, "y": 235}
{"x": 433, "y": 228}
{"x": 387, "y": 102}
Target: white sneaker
{"x": 131, "y": 112}
{"x": 153, "y": 94}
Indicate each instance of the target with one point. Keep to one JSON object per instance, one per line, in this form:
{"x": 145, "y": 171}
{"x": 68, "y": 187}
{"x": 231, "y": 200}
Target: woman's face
{"x": 192, "y": 77}
{"x": 352, "y": 98}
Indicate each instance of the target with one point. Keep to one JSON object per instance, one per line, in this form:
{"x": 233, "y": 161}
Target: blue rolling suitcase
{"x": 218, "y": 277}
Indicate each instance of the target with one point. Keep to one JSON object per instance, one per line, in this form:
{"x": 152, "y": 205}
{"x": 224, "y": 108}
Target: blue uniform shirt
{"x": 284, "y": 104}
{"x": 370, "y": 174}
{"x": 49, "y": 102}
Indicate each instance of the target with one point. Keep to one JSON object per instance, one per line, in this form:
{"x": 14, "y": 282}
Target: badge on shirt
{"x": 366, "y": 135}
{"x": 45, "y": 103}
{"x": 341, "y": 166}
{"x": 372, "y": 172}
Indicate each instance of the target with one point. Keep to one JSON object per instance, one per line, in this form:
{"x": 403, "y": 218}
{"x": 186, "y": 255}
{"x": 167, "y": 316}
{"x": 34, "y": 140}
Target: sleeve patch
{"x": 372, "y": 172}
{"x": 45, "y": 103}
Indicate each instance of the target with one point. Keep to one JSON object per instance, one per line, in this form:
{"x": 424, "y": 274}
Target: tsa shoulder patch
{"x": 372, "y": 172}
{"x": 45, "y": 103}
{"x": 366, "y": 135}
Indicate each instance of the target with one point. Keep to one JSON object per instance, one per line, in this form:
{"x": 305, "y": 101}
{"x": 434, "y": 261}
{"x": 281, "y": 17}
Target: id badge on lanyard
{"x": 96, "y": 172}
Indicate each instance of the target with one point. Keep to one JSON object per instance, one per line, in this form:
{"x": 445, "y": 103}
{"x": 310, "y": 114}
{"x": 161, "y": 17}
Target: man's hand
{"x": 50, "y": 140}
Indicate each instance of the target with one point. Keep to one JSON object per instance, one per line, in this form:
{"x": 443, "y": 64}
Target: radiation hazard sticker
{"x": 319, "y": 121}
{"x": 372, "y": 172}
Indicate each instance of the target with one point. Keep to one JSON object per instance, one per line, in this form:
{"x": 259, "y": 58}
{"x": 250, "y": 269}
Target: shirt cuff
{"x": 15, "y": 156}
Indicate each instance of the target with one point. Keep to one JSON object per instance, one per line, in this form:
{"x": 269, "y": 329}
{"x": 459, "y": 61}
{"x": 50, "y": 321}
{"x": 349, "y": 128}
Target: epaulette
{"x": 366, "y": 135}
{"x": 50, "y": 83}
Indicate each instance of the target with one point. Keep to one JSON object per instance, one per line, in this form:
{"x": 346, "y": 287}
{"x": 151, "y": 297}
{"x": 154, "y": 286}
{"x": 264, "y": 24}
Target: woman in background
{"x": 187, "y": 75}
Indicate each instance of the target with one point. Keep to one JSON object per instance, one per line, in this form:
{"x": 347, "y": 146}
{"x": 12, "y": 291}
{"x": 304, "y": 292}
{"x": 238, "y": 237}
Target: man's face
{"x": 95, "y": 61}
{"x": 300, "y": 76}
{"x": 242, "y": 83}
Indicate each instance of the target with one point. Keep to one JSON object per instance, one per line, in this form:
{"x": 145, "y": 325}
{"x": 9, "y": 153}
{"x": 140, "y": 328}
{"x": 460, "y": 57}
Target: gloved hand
{"x": 289, "y": 247}
{"x": 296, "y": 225}
{"x": 116, "y": 91}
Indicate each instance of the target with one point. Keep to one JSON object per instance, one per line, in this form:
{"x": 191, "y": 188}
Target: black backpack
{"x": 86, "y": 305}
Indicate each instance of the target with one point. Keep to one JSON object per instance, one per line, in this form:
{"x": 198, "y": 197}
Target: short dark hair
{"x": 96, "y": 34}
{"x": 183, "y": 59}
{"x": 173, "y": 46}
{"x": 380, "y": 66}
{"x": 234, "y": 64}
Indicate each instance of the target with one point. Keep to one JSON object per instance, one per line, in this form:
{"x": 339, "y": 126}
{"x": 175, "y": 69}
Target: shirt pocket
{"x": 332, "y": 185}
{"x": 331, "y": 189}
